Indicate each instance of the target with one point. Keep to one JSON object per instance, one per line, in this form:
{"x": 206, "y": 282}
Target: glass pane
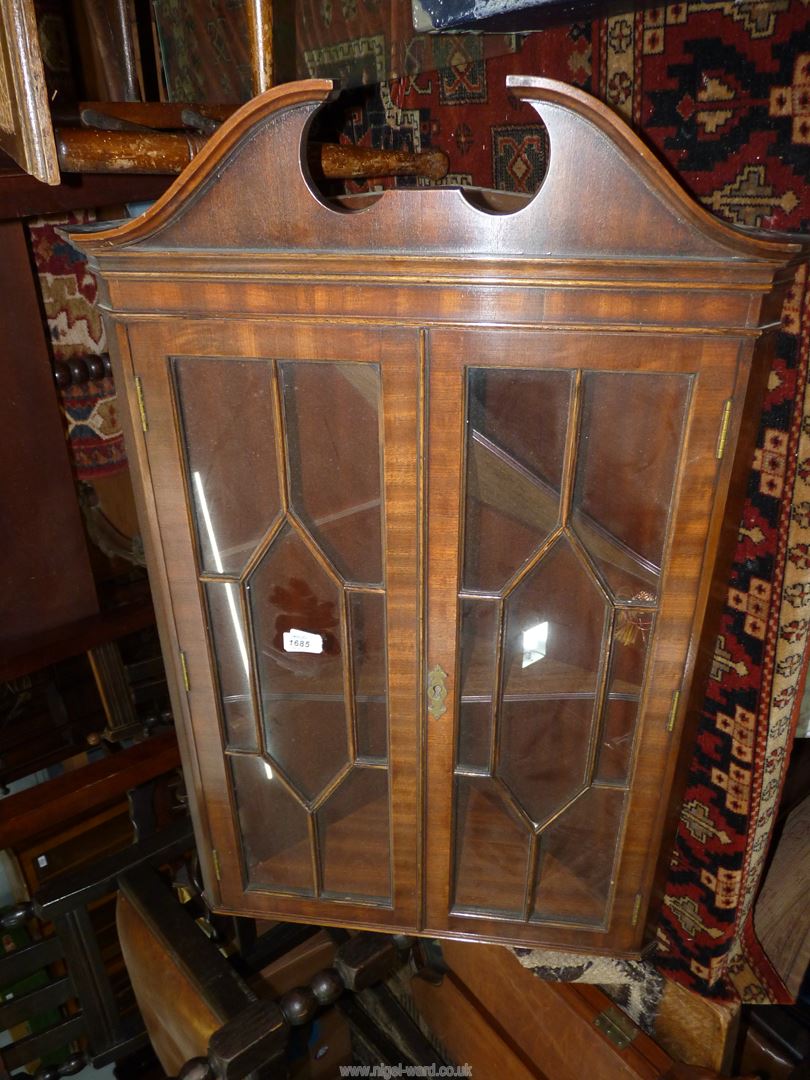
{"x": 367, "y": 621}
{"x": 290, "y": 590}
{"x": 544, "y": 752}
{"x": 273, "y": 827}
{"x": 577, "y": 858}
{"x": 372, "y": 729}
{"x": 632, "y": 631}
{"x": 474, "y": 734}
{"x": 230, "y": 644}
{"x": 354, "y": 837}
{"x": 491, "y": 849}
{"x": 625, "y": 475}
{"x": 631, "y": 638}
{"x": 555, "y": 621}
{"x": 332, "y": 417}
{"x": 308, "y": 737}
{"x": 230, "y": 455}
{"x": 479, "y": 645}
{"x": 616, "y": 746}
{"x": 516, "y": 426}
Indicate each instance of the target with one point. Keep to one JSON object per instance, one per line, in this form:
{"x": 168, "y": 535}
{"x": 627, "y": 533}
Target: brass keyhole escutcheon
{"x": 437, "y": 692}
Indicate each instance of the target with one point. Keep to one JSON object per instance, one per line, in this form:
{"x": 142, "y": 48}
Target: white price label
{"x": 302, "y": 641}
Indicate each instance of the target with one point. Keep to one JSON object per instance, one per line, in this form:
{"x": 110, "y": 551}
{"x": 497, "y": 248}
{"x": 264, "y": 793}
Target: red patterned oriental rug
{"x": 68, "y": 290}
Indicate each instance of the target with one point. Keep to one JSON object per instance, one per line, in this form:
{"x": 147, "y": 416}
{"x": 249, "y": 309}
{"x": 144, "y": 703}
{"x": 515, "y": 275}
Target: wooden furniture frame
{"x": 66, "y": 903}
{"x": 428, "y": 288}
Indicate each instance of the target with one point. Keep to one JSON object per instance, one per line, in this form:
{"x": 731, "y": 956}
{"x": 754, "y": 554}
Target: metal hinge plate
{"x": 141, "y": 403}
{"x": 636, "y": 909}
{"x": 619, "y": 1028}
{"x": 184, "y": 666}
{"x": 673, "y": 710}
{"x": 725, "y": 423}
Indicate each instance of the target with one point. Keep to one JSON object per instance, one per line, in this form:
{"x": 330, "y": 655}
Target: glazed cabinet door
{"x": 283, "y": 473}
{"x": 571, "y": 483}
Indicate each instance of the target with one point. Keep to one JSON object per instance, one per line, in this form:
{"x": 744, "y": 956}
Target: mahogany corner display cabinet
{"x": 432, "y": 484}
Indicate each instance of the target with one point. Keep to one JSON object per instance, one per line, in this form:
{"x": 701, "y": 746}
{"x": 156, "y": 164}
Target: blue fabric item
{"x": 449, "y": 14}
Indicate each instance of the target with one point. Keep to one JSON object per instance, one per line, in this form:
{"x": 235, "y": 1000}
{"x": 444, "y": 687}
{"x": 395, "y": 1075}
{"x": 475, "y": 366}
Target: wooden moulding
{"x": 25, "y": 120}
{"x": 243, "y": 257}
{"x": 268, "y": 133}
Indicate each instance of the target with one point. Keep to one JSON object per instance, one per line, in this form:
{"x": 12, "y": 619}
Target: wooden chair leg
{"x": 83, "y": 150}
{"x": 257, "y": 1038}
{"x": 260, "y": 29}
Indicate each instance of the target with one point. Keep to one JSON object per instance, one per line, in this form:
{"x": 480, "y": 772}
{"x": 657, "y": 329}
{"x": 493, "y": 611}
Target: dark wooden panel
{"x": 46, "y": 577}
{"x": 36, "y": 811}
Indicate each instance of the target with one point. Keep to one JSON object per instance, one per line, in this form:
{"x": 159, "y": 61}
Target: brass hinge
{"x": 636, "y": 909}
{"x": 725, "y": 423}
{"x": 141, "y": 405}
{"x": 673, "y": 710}
{"x": 619, "y": 1028}
{"x": 184, "y": 666}
{"x": 217, "y": 867}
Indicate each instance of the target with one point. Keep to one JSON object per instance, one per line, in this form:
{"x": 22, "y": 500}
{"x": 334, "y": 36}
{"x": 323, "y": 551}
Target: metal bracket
{"x": 141, "y": 403}
{"x": 725, "y": 423}
{"x": 619, "y": 1028}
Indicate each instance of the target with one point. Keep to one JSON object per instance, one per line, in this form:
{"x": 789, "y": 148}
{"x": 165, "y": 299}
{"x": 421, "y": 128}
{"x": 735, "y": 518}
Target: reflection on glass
{"x": 230, "y": 652}
{"x": 559, "y": 607}
{"x": 535, "y": 640}
{"x": 626, "y": 474}
{"x": 231, "y": 455}
{"x": 230, "y": 591}
{"x": 354, "y": 838}
{"x": 332, "y": 419}
{"x": 516, "y": 426}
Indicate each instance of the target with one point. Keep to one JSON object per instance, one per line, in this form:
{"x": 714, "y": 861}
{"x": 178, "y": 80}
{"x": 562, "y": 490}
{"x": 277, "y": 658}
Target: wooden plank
{"x": 45, "y": 1042}
{"x": 32, "y": 813}
{"x": 46, "y": 576}
{"x": 26, "y": 132}
{"x": 551, "y": 1023}
{"x": 782, "y": 913}
{"x": 23, "y": 196}
{"x": 471, "y": 1036}
{"x": 16, "y": 1010}
{"x": 695, "y": 1029}
{"x": 64, "y": 893}
{"x": 17, "y": 965}
{"x": 70, "y": 639}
